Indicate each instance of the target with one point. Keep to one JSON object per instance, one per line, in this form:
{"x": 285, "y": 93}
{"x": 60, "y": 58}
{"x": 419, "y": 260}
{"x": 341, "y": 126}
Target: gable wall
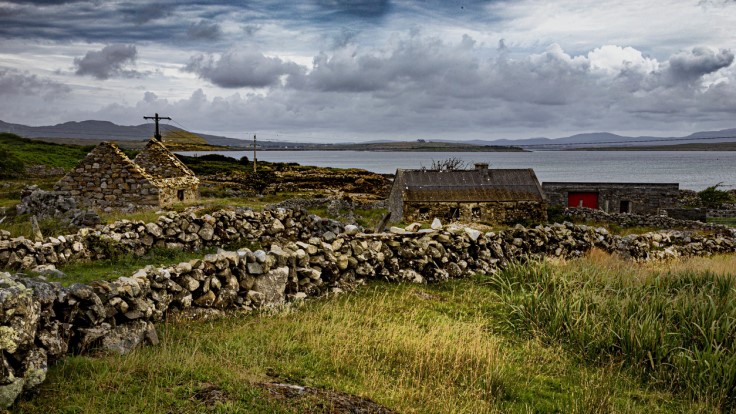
{"x": 108, "y": 178}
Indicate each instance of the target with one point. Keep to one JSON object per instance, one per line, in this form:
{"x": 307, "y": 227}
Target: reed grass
{"x": 672, "y": 324}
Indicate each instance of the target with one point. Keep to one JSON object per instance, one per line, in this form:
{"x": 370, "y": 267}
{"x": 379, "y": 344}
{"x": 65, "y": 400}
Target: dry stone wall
{"x": 41, "y": 322}
{"x": 185, "y": 231}
{"x": 635, "y": 220}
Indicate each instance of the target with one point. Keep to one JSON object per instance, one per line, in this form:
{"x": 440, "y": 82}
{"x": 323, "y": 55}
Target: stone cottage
{"x": 482, "y": 195}
{"x": 108, "y": 178}
{"x": 636, "y": 198}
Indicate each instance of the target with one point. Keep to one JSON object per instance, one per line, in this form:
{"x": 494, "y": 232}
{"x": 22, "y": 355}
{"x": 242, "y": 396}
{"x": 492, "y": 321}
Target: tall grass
{"x": 675, "y": 327}
{"x": 413, "y": 349}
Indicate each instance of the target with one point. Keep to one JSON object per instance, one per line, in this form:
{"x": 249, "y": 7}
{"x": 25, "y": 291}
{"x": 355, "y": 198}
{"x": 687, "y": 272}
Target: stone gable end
{"x": 108, "y": 178}
{"x": 159, "y": 162}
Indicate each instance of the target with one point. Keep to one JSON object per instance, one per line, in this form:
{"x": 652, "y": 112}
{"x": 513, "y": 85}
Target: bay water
{"x": 694, "y": 170}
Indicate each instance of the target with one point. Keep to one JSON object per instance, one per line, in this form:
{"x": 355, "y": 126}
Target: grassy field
{"x": 459, "y": 347}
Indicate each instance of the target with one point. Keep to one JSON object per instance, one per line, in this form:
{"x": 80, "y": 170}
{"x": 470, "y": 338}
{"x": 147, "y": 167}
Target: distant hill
{"x": 96, "y": 131}
{"x": 606, "y": 139}
{"x": 91, "y": 132}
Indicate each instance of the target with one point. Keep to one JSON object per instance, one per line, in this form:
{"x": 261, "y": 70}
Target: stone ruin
{"x": 107, "y": 178}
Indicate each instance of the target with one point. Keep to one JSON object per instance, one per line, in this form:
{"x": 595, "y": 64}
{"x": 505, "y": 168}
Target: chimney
{"x": 481, "y": 166}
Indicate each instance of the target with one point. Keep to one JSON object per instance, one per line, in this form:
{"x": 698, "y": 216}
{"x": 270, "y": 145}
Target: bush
{"x": 10, "y": 165}
{"x": 244, "y": 161}
{"x": 712, "y": 197}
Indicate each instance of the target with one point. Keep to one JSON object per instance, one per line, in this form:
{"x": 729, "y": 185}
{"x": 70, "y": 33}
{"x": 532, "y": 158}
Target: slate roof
{"x": 480, "y": 185}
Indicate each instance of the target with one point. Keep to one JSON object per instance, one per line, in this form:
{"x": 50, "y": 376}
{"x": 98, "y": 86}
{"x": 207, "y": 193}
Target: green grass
{"x": 126, "y": 265}
{"x": 674, "y": 328}
{"x": 414, "y": 349}
{"x": 34, "y": 152}
{"x": 728, "y": 221}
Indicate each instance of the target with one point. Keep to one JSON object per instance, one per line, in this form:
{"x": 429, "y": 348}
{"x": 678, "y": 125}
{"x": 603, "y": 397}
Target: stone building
{"x": 636, "y": 198}
{"x": 482, "y": 195}
{"x": 108, "y": 178}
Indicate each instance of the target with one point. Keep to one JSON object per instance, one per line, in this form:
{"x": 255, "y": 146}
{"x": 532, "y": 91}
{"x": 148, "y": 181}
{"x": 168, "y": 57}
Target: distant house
{"x": 637, "y": 198}
{"x": 482, "y": 194}
{"x": 108, "y": 178}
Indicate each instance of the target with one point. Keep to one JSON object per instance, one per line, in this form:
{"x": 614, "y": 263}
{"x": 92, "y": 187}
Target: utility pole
{"x": 157, "y": 118}
{"x": 254, "y": 153}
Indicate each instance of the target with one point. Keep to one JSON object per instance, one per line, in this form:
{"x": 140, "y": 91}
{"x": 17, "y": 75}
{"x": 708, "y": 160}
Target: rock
{"x": 272, "y": 285}
{"x": 207, "y": 232}
{"x": 351, "y": 230}
{"x": 36, "y": 229}
{"x": 329, "y": 236}
{"x": 205, "y": 300}
{"x": 413, "y": 227}
{"x": 472, "y": 233}
{"x": 396, "y": 230}
{"x": 436, "y": 224}
{"x": 124, "y": 338}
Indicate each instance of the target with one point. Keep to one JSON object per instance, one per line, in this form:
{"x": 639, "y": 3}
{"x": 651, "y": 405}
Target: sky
{"x": 359, "y": 70}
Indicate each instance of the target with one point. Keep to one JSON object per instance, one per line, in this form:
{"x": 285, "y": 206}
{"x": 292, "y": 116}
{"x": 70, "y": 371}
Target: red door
{"x": 589, "y": 200}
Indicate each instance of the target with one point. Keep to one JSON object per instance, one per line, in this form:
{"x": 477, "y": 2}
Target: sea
{"x": 694, "y": 170}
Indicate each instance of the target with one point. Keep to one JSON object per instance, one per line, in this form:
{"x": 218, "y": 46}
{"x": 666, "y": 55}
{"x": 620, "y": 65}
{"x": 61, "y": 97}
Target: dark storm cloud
{"x": 140, "y": 14}
{"x": 108, "y": 62}
{"x": 238, "y": 70}
{"x": 13, "y": 82}
{"x": 203, "y": 30}
{"x": 358, "y": 8}
{"x": 691, "y": 65}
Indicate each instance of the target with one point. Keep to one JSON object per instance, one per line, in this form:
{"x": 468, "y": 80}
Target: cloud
{"x": 108, "y": 62}
{"x": 358, "y": 8}
{"x": 240, "y": 70}
{"x": 203, "y": 30}
{"x": 692, "y": 65}
{"x": 140, "y": 14}
{"x": 13, "y": 82}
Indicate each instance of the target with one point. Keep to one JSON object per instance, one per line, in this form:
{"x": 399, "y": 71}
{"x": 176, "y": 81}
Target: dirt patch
{"x": 210, "y": 394}
{"x": 316, "y": 400}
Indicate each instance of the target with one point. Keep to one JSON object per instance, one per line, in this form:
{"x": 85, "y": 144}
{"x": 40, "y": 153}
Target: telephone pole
{"x": 157, "y": 118}
{"x": 254, "y": 153}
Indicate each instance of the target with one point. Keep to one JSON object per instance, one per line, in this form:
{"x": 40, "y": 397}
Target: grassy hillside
{"x": 34, "y": 152}
{"x": 475, "y": 345}
{"x": 180, "y": 140}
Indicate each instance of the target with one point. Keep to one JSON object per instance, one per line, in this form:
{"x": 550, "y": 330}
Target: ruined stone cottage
{"x": 108, "y": 178}
{"x": 636, "y": 198}
{"x": 482, "y": 195}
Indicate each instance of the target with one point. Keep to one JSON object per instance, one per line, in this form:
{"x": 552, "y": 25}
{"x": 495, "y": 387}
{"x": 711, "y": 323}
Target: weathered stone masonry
{"x": 108, "y": 178}
{"x": 637, "y": 198}
{"x": 41, "y": 322}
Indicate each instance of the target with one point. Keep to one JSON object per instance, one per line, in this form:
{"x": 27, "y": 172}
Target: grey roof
{"x": 470, "y": 185}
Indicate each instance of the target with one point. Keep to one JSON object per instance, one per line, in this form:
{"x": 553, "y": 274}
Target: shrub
{"x": 10, "y": 165}
{"x": 712, "y": 197}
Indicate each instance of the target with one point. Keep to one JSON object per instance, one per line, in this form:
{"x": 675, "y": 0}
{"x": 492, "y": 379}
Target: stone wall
{"x": 41, "y": 322}
{"x": 184, "y": 231}
{"x": 486, "y": 212}
{"x": 722, "y": 213}
{"x": 45, "y": 203}
{"x": 635, "y": 220}
{"x": 643, "y": 198}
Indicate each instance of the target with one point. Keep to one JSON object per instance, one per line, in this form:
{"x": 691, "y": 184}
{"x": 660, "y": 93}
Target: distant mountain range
{"x": 606, "y": 139}
{"x": 107, "y": 131}
{"x": 104, "y": 130}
